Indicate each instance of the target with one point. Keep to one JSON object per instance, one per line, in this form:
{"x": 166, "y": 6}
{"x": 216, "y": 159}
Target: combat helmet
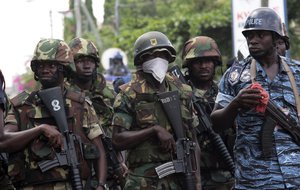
{"x": 52, "y": 50}
{"x": 152, "y": 40}
{"x": 200, "y": 47}
{"x": 82, "y": 47}
{"x": 263, "y": 18}
{"x": 285, "y": 37}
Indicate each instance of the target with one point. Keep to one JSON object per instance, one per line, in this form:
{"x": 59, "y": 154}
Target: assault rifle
{"x": 185, "y": 148}
{"x": 275, "y": 116}
{"x": 205, "y": 122}
{"x": 112, "y": 158}
{"x": 53, "y": 100}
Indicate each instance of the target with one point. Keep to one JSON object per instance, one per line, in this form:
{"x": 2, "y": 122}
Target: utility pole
{"x": 77, "y": 4}
{"x": 93, "y": 26}
{"x": 51, "y": 23}
{"x": 265, "y": 3}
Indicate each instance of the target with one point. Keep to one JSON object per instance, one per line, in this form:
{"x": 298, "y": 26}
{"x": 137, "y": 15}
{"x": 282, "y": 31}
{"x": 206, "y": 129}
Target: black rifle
{"x": 185, "y": 148}
{"x": 275, "y": 116}
{"x": 113, "y": 161}
{"x": 206, "y": 123}
{"x": 53, "y": 100}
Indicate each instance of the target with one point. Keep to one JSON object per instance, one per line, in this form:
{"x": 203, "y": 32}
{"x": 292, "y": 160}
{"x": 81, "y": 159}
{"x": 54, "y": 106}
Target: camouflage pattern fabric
{"x": 145, "y": 178}
{"x": 214, "y": 174}
{"x": 52, "y": 186}
{"x": 28, "y": 113}
{"x": 102, "y": 98}
{"x": 200, "y": 47}
{"x": 5, "y": 182}
{"x": 136, "y": 107}
{"x": 82, "y": 47}
{"x": 253, "y": 171}
{"x": 53, "y": 50}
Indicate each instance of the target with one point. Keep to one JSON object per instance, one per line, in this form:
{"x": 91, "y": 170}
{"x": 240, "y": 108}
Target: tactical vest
{"x": 148, "y": 112}
{"x": 23, "y": 166}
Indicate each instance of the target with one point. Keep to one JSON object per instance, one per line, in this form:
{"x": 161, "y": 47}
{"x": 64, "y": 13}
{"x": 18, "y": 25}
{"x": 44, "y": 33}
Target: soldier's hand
{"x": 247, "y": 98}
{"x": 124, "y": 169}
{"x": 54, "y": 137}
{"x": 166, "y": 139}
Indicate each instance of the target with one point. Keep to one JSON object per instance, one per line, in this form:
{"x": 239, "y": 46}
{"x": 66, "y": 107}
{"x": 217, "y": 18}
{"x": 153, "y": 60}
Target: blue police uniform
{"x": 253, "y": 171}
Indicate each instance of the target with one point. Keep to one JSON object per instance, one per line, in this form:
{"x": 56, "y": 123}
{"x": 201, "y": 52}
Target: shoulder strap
{"x": 290, "y": 75}
{"x": 75, "y": 96}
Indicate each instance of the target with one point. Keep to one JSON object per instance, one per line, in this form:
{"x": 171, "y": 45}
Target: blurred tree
{"x": 179, "y": 20}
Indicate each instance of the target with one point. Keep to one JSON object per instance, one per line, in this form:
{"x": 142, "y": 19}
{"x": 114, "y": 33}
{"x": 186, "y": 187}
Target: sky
{"x": 23, "y": 24}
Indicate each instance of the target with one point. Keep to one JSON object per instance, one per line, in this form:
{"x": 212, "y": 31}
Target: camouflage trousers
{"x": 5, "y": 183}
{"x": 50, "y": 186}
{"x": 145, "y": 178}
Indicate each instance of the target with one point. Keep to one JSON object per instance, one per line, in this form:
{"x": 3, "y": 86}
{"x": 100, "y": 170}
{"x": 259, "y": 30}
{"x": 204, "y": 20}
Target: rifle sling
{"x": 290, "y": 75}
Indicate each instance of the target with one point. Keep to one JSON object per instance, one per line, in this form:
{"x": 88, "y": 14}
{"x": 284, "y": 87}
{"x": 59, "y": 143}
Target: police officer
{"x": 5, "y": 182}
{"x": 116, "y": 66}
{"x": 243, "y": 93}
{"x": 140, "y": 125}
{"x": 87, "y": 79}
{"x": 200, "y": 56}
{"x": 31, "y": 132}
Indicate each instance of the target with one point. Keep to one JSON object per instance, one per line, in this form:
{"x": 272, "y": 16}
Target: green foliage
{"x": 179, "y": 20}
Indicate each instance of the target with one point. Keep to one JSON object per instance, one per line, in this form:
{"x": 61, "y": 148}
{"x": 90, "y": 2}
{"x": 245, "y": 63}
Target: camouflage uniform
{"x": 102, "y": 98}
{"x": 136, "y": 107}
{"x": 5, "y": 182}
{"x": 28, "y": 112}
{"x": 100, "y": 94}
{"x": 214, "y": 173}
{"x": 253, "y": 170}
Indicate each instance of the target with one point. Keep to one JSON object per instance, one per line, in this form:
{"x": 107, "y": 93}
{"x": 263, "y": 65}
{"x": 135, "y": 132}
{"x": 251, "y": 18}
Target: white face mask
{"x": 158, "y": 67}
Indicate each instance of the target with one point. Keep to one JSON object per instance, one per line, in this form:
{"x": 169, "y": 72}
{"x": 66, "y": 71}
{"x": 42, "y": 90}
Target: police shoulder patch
{"x": 234, "y": 73}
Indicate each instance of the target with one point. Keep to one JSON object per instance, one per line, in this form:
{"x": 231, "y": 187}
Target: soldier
{"x": 200, "y": 56}
{"x": 32, "y": 134}
{"x": 140, "y": 126}
{"x": 5, "y": 182}
{"x": 87, "y": 79}
{"x": 245, "y": 91}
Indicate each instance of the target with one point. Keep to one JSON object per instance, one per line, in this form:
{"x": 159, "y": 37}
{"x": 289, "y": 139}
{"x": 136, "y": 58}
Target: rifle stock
{"x": 275, "y": 116}
{"x": 53, "y": 100}
{"x": 205, "y": 122}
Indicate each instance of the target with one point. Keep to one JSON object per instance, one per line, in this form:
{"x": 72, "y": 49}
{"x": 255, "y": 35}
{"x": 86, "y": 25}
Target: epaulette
{"x": 20, "y": 99}
{"x": 75, "y": 96}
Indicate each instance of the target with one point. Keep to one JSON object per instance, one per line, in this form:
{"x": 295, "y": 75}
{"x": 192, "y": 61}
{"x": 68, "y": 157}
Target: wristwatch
{"x": 101, "y": 184}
